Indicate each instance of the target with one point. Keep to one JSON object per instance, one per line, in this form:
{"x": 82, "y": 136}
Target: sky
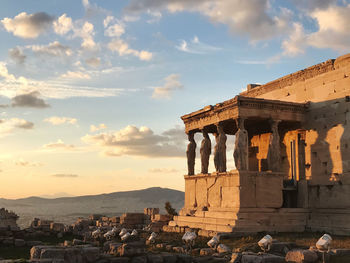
{"x": 92, "y": 91}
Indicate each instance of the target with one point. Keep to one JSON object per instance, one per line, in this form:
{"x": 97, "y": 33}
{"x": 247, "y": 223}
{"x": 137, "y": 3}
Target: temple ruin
{"x": 291, "y": 153}
{"x": 8, "y": 220}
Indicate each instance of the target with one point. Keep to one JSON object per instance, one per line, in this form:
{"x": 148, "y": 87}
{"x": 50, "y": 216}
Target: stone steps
{"x": 246, "y": 222}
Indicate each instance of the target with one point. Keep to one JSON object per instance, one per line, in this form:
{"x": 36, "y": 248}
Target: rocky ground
{"x": 129, "y": 239}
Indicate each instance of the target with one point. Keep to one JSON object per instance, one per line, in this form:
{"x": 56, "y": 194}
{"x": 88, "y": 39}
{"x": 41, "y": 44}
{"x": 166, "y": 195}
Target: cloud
{"x": 24, "y": 163}
{"x": 196, "y": 47}
{"x": 141, "y": 141}
{"x": 63, "y": 25}
{"x": 31, "y": 100}
{"x": 55, "y": 49}
{"x": 120, "y": 46}
{"x": 61, "y": 120}
{"x": 59, "y": 146}
{"x": 94, "y": 128}
{"x": 163, "y": 170}
{"x": 17, "y": 55}
{"x": 334, "y": 26}
{"x": 250, "y": 18}
{"x": 28, "y": 25}
{"x": 116, "y": 29}
{"x": 65, "y": 175}
{"x": 296, "y": 42}
{"x": 93, "y": 62}
{"x": 313, "y": 4}
{"x": 75, "y": 75}
{"x": 11, "y": 86}
{"x": 172, "y": 83}
{"x": 86, "y": 33}
{"x": 9, "y": 126}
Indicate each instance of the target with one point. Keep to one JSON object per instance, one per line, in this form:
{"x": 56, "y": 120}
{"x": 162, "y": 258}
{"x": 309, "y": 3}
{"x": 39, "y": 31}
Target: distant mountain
{"x": 67, "y": 209}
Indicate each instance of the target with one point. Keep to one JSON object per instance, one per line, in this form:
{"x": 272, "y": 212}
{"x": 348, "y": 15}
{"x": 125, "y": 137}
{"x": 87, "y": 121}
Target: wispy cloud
{"x": 196, "y": 47}
{"x": 55, "y": 120}
{"x": 171, "y": 84}
{"x": 65, "y": 175}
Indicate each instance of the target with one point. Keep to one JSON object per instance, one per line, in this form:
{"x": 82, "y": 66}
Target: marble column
{"x": 240, "y": 153}
{"x": 274, "y": 152}
{"x": 205, "y": 152}
{"x": 220, "y": 149}
{"x": 191, "y": 153}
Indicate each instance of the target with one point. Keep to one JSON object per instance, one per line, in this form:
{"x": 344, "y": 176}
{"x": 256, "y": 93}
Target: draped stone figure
{"x": 191, "y": 153}
{"x": 205, "y": 152}
{"x": 240, "y": 153}
{"x": 274, "y": 153}
{"x": 220, "y": 150}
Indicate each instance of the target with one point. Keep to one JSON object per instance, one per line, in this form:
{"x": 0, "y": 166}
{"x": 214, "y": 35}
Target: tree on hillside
{"x": 170, "y": 210}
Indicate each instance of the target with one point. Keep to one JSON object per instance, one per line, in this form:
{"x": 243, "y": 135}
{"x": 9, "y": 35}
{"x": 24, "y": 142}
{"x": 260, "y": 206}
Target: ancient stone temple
{"x": 291, "y": 153}
{"x": 8, "y": 220}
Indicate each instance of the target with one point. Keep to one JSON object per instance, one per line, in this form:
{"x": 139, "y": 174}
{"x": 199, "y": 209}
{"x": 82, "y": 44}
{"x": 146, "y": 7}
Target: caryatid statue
{"x": 191, "y": 153}
{"x": 240, "y": 153}
{"x": 274, "y": 153}
{"x": 205, "y": 152}
{"x": 220, "y": 150}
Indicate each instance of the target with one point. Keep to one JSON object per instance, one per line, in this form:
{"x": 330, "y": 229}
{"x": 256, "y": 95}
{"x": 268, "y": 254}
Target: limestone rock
{"x": 154, "y": 259}
{"x": 301, "y": 256}
{"x": 206, "y": 252}
{"x": 19, "y": 243}
{"x": 221, "y": 248}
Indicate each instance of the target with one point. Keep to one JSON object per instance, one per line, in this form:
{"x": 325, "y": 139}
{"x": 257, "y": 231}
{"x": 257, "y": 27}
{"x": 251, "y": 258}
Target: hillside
{"x": 67, "y": 209}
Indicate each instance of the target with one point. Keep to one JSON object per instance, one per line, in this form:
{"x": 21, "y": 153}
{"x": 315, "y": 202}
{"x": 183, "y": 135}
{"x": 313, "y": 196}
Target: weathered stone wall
{"x": 233, "y": 190}
{"x": 327, "y": 144}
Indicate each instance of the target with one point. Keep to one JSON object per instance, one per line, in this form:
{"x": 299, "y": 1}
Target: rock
{"x": 77, "y": 242}
{"x": 206, "y": 252}
{"x": 236, "y": 257}
{"x": 59, "y": 235}
{"x": 140, "y": 259}
{"x": 73, "y": 255}
{"x": 184, "y": 258}
{"x": 339, "y": 255}
{"x": 34, "y": 243}
{"x": 113, "y": 248}
{"x": 205, "y": 259}
{"x": 281, "y": 247}
{"x": 169, "y": 258}
{"x": 261, "y": 258}
{"x": 161, "y": 245}
{"x": 301, "y": 256}
{"x": 90, "y": 254}
{"x": 119, "y": 260}
{"x": 52, "y": 253}
{"x": 19, "y": 243}
{"x": 131, "y": 249}
{"x": 35, "y": 251}
{"x": 221, "y": 248}
{"x": 179, "y": 250}
{"x": 169, "y": 247}
{"x": 154, "y": 259}
{"x": 8, "y": 241}
{"x": 67, "y": 243}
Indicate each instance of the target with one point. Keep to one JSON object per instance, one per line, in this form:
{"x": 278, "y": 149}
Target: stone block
{"x": 52, "y": 253}
{"x": 19, "y": 243}
{"x": 154, "y": 259}
{"x": 206, "y": 252}
{"x": 269, "y": 191}
{"x": 168, "y": 258}
{"x": 90, "y": 254}
{"x": 301, "y": 256}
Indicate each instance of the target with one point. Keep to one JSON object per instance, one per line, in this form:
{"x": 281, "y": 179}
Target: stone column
{"x": 205, "y": 152}
{"x": 274, "y": 152}
{"x": 191, "y": 153}
{"x": 240, "y": 153}
{"x": 220, "y": 149}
